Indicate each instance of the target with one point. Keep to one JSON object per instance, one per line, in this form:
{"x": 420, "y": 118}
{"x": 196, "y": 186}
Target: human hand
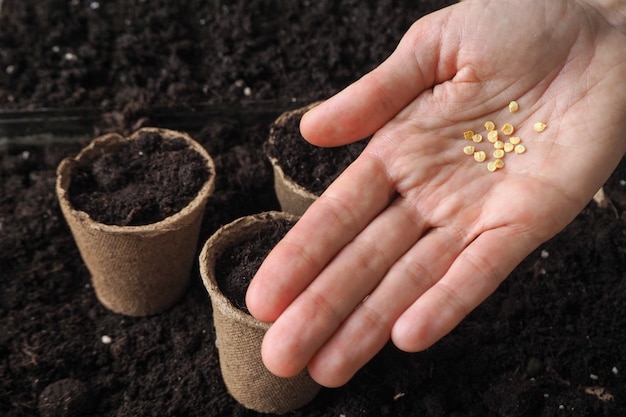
{"x": 415, "y": 234}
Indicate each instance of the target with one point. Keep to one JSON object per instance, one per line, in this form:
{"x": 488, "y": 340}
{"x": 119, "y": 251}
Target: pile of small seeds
{"x": 502, "y": 145}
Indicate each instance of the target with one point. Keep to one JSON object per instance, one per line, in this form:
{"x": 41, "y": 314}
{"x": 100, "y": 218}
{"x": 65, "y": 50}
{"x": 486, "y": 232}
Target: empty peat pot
{"x": 303, "y": 171}
{"x": 138, "y": 269}
{"x": 239, "y": 335}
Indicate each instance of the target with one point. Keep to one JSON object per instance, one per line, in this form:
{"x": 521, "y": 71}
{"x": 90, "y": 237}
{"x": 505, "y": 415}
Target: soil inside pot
{"x": 236, "y": 266}
{"x": 312, "y": 167}
{"x": 140, "y": 182}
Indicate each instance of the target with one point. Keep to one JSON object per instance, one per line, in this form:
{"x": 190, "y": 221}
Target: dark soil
{"x": 139, "y": 182}
{"x": 236, "y": 266}
{"x": 311, "y": 167}
{"x": 126, "y": 55}
{"x": 549, "y": 342}
{"x": 66, "y": 397}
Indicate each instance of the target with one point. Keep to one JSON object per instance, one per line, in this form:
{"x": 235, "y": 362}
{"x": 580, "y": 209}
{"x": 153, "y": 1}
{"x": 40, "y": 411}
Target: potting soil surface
{"x": 549, "y": 342}
{"x": 138, "y": 182}
{"x": 236, "y": 265}
{"x": 317, "y": 167}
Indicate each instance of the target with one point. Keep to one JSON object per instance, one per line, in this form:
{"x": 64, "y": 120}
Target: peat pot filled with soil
{"x": 303, "y": 171}
{"x": 228, "y": 261}
{"x": 134, "y": 206}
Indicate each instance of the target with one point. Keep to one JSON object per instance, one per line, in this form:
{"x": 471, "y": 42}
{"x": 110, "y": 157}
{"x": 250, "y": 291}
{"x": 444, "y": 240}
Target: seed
{"x": 499, "y": 163}
{"x": 498, "y": 144}
{"x": 468, "y": 150}
{"x": 508, "y": 129}
{"x": 492, "y": 136}
{"x": 468, "y": 134}
{"x": 480, "y": 156}
{"x": 515, "y": 140}
{"x": 498, "y": 153}
{"x": 489, "y": 125}
{"x": 477, "y": 138}
{"x": 508, "y": 147}
{"x": 491, "y": 166}
{"x": 513, "y": 106}
{"x": 519, "y": 149}
{"x": 540, "y": 126}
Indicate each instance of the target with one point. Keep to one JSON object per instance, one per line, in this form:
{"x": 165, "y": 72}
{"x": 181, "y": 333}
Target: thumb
{"x": 366, "y": 105}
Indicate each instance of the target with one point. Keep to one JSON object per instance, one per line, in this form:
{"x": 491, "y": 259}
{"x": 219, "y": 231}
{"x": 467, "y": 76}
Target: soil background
{"x": 550, "y": 342}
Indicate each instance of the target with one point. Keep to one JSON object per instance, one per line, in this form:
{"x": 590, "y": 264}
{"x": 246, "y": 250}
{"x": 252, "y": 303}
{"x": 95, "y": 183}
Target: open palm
{"x": 415, "y": 234}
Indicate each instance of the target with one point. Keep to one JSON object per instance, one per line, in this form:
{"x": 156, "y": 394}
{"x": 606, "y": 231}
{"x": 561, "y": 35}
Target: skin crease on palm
{"x": 415, "y": 234}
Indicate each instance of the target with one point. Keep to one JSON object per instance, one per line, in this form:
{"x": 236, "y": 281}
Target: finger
{"x": 473, "y": 276}
{"x": 366, "y": 105}
{"x": 315, "y": 315}
{"x": 348, "y": 205}
{"x": 368, "y": 328}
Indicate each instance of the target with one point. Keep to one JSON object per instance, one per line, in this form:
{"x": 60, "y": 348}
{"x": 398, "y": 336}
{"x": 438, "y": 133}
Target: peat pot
{"x": 302, "y": 171}
{"x": 142, "y": 269}
{"x": 239, "y": 335}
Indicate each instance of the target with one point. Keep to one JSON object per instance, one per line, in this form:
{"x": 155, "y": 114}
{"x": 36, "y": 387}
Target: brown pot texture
{"x": 136, "y": 270}
{"x": 239, "y": 335}
{"x": 292, "y": 196}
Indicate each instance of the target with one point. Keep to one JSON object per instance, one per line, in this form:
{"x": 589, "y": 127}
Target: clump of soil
{"x": 236, "y": 266}
{"x": 65, "y": 398}
{"x": 139, "y": 182}
{"x": 312, "y": 167}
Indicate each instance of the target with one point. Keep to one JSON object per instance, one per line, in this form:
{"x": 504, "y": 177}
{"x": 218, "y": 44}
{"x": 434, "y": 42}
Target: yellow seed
{"x": 498, "y": 144}
{"x": 491, "y": 166}
{"x": 480, "y": 156}
{"x": 499, "y": 163}
{"x": 520, "y": 149}
{"x": 477, "y": 138}
{"x": 468, "y": 134}
{"x": 492, "y": 136}
{"x": 468, "y": 150}
{"x": 513, "y": 106}
{"x": 498, "y": 153}
{"x": 489, "y": 125}
{"x": 515, "y": 140}
{"x": 508, "y": 147}
{"x": 540, "y": 126}
{"x": 508, "y": 129}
